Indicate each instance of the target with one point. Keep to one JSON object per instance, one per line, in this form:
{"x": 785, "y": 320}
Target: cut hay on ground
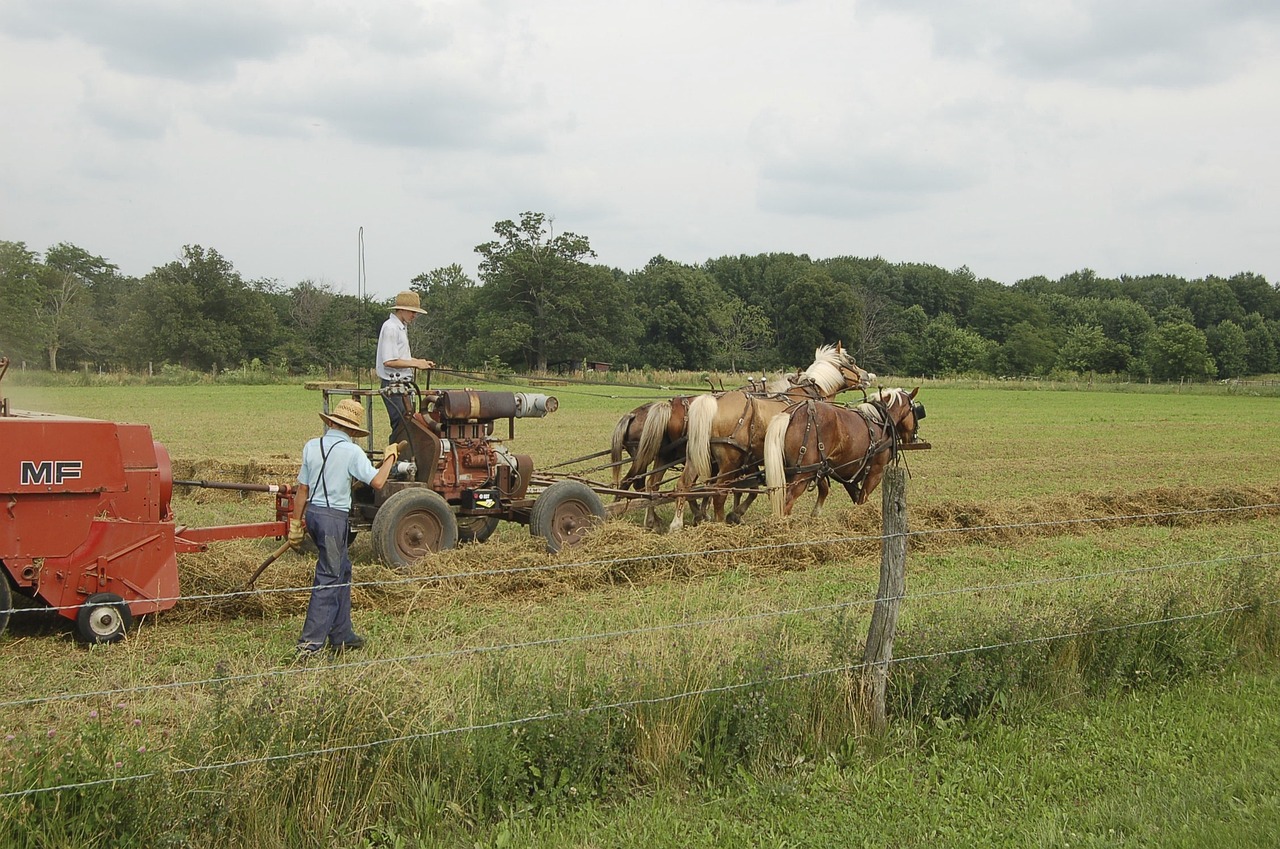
{"x": 515, "y": 566}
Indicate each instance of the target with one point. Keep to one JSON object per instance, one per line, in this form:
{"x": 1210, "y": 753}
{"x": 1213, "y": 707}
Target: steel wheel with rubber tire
{"x": 476, "y": 528}
{"x": 412, "y": 524}
{"x": 103, "y": 618}
{"x": 564, "y": 513}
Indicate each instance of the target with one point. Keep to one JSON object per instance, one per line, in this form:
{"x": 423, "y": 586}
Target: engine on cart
{"x": 458, "y": 479}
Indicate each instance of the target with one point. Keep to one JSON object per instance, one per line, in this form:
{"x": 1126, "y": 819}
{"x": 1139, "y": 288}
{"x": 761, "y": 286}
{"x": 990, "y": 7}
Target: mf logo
{"x": 48, "y": 472}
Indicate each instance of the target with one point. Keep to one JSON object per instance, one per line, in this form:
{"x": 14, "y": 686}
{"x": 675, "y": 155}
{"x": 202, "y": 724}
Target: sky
{"x": 360, "y": 143}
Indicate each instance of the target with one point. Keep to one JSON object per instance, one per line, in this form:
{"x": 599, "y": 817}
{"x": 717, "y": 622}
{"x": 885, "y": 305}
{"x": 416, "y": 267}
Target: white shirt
{"x": 393, "y": 344}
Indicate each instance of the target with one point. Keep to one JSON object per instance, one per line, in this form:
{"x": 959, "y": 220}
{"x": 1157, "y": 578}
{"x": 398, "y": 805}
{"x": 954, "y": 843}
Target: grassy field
{"x": 1062, "y": 736}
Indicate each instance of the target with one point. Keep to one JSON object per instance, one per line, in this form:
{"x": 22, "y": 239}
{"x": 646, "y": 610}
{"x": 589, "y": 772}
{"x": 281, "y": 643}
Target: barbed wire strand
{"x": 610, "y": 635}
{"x": 620, "y": 705}
{"x": 614, "y": 561}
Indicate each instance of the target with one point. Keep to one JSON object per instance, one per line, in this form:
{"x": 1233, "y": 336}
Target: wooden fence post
{"x": 893, "y": 584}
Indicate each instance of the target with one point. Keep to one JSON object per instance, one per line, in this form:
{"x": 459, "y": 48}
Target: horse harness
{"x": 748, "y": 417}
{"x": 875, "y": 413}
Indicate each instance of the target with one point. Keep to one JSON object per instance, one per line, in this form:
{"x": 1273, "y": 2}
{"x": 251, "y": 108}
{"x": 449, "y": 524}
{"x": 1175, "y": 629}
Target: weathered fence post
{"x": 893, "y": 584}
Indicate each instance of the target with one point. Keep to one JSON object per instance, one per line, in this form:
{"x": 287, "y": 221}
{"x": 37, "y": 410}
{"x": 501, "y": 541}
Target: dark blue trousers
{"x": 329, "y": 610}
{"x": 395, "y": 405}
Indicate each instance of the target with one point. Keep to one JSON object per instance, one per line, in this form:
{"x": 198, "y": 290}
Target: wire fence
{"x": 372, "y": 665}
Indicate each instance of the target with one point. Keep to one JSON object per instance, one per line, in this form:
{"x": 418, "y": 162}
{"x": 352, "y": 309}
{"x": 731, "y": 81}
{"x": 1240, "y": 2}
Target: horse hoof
{"x": 733, "y": 519}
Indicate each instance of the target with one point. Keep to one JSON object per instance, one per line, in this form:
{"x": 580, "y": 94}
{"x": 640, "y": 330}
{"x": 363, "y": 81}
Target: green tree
{"x": 1083, "y": 350}
{"x": 678, "y": 304}
{"x": 741, "y": 332}
{"x": 951, "y": 350}
{"x": 1027, "y": 349}
{"x": 1178, "y": 350}
{"x": 449, "y": 297}
{"x": 21, "y": 294}
{"x": 1263, "y": 357}
{"x": 1211, "y": 301}
{"x": 1229, "y": 347}
{"x": 198, "y": 312}
{"x": 815, "y": 311}
{"x": 541, "y": 302}
{"x": 78, "y": 287}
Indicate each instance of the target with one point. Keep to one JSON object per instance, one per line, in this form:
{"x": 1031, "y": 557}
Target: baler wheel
{"x": 103, "y": 618}
{"x": 6, "y": 600}
{"x": 412, "y": 524}
{"x": 564, "y": 512}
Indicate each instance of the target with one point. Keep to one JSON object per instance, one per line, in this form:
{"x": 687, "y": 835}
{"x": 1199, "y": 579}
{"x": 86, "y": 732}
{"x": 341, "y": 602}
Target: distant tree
{"x": 198, "y": 312}
{"x": 1083, "y": 350}
{"x": 678, "y": 305}
{"x": 1261, "y": 344}
{"x": 541, "y": 302}
{"x": 950, "y": 350}
{"x": 1027, "y": 349}
{"x": 1178, "y": 350}
{"x": 1211, "y": 301}
{"x": 815, "y": 311}
{"x": 904, "y": 347}
{"x": 1255, "y": 294}
{"x": 21, "y": 294}
{"x": 1229, "y": 348}
{"x": 449, "y": 297}
{"x": 67, "y": 315}
{"x": 742, "y": 333}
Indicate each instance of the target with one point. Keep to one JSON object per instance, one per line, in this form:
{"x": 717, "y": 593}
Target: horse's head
{"x": 834, "y": 370}
{"x": 903, "y": 410}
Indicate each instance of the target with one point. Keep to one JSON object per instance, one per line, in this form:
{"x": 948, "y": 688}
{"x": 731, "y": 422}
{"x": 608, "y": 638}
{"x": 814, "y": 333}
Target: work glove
{"x": 297, "y": 533}
{"x": 391, "y": 453}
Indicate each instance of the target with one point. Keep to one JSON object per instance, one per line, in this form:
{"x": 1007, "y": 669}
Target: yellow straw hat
{"x": 409, "y": 301}
{"x": 349, "y": 415}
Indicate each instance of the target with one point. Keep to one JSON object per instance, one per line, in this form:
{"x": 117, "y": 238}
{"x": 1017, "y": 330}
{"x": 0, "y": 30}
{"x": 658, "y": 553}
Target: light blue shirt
{"x": 346, "y": 460}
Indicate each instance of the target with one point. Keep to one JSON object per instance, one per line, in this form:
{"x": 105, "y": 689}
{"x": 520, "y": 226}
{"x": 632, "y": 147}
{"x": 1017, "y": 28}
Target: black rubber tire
{"x": 410, "y": 525}
{"x": 103, "y": 618}
{"x": 564, "y": 512}
{"x": 6, "y": 600}
{"x": 476, "y": 528}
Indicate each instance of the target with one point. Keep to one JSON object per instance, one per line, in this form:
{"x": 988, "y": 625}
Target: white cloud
{"x": 1014, "y": 138}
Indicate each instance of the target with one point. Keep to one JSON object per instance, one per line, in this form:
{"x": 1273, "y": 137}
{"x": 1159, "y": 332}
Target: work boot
{"x": 355, "y": 641}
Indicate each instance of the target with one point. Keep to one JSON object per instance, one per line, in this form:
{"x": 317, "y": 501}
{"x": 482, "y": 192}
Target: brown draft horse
{"x": 654, "y": 435}
{"x": 726, "y": 432}
{"x": 816, "y": 441}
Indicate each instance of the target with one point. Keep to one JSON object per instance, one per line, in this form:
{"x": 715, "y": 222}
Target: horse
{"x": 816, "y": 441}
{"x": 726, "y": 432}
{"x": 654, "y": 435}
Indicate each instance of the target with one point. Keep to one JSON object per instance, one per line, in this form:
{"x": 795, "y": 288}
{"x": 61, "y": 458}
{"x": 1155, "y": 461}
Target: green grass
{"x": 1072, "y": 737}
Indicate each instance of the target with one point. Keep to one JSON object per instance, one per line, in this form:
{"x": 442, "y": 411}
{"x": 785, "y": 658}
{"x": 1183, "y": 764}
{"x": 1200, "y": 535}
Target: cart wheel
{"x": 6, "y": 600}
{"x": 564, "y": 512}
{"x": 103, "y": 618}
{"x": 476, "y": 528}
{"x": 410, "y": 525}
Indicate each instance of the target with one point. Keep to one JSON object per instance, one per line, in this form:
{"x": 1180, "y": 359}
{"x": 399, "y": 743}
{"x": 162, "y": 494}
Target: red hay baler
{"x": 86, "y": 524}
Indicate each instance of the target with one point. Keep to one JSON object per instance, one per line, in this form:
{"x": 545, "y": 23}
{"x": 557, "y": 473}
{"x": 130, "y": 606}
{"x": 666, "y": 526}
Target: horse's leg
{"x": 794, "y": 490}
{"x": 824, "y": 487}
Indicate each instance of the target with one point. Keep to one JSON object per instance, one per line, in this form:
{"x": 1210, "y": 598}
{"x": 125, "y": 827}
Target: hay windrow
{"x": 514, "y": 567}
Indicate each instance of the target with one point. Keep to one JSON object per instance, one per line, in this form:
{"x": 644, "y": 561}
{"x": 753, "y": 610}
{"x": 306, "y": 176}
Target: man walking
{"x": 329, "y": 463}
{"x": 395, "y": 362}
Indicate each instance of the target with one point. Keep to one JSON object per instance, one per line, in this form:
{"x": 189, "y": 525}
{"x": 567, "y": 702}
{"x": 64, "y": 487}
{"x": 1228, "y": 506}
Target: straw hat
{"x": 409, "y": 301}
{"x": 349, "y": 414}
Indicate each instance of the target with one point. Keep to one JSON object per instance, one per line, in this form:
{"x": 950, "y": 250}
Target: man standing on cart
{"x": 329, "y": 463}
{"x": 395, "y": 362}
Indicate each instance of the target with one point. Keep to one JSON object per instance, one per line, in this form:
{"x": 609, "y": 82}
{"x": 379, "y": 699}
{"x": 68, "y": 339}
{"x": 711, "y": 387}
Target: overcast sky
{"x": 1016, "y": 138}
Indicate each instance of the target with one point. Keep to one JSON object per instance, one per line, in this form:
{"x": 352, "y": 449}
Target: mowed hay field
{"x": 1036, "y": 508}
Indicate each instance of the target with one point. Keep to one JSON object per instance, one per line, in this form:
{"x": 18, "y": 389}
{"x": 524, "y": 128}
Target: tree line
{"x": 541, "y": 303}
